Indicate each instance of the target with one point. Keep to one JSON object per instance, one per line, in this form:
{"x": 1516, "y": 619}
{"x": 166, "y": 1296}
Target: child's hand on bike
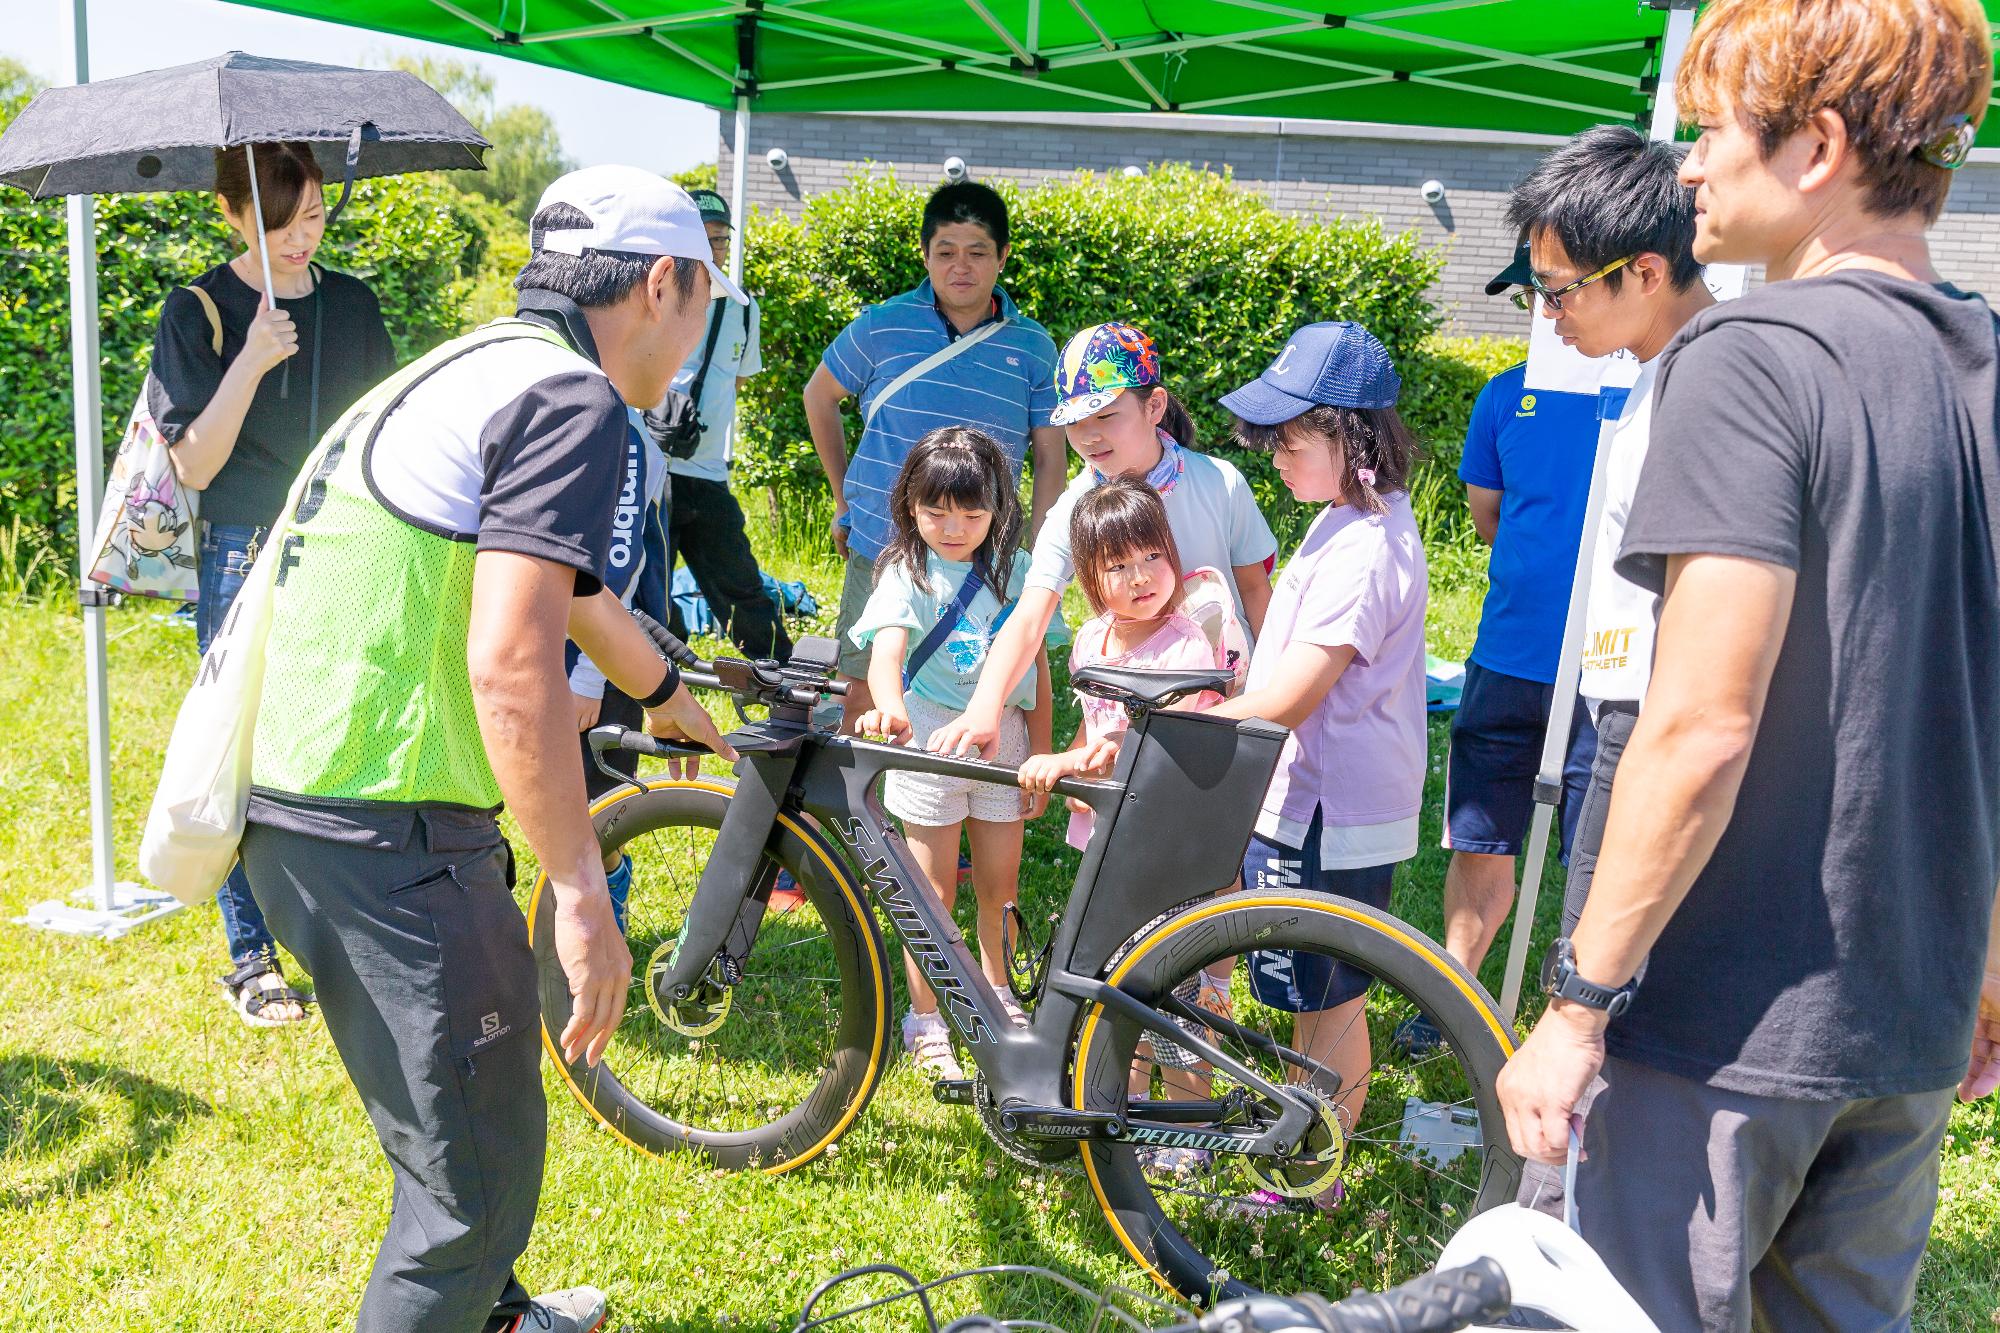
{"x": 1041, "y": 772}
{"x": 891, "y": 724}
{"x": 1034, "y": 805}
{"x": 1095, "y": 760}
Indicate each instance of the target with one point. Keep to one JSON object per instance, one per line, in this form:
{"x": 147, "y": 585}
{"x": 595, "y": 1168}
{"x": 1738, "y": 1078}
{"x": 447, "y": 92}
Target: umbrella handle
{"x": 264, "y": 257}
{"x": 257, "y": 208}
{"x": 347, "y": 181}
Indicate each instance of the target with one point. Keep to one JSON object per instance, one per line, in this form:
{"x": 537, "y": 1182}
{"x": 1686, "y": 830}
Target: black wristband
{"x": 668, "y": 684}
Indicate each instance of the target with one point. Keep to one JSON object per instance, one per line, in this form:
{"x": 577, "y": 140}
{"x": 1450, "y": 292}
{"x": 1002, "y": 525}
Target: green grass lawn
{"x": 162, "y": 1166}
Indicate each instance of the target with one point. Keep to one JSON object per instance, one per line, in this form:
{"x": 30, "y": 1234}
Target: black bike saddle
{"x": 1154, "y": 689}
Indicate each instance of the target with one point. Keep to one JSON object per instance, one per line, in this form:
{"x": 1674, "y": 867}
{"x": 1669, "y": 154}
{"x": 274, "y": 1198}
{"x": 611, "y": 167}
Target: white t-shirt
{"x": 737, "y": 356}
{"x": 1214, "y": 517}
{"x": 1618, "y": 623}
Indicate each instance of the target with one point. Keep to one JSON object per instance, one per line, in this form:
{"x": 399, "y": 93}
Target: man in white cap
{"x": 454, "y": 529}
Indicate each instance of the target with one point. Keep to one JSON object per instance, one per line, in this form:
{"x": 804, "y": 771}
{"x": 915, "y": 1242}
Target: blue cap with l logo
{"x": 1335, "y": 364}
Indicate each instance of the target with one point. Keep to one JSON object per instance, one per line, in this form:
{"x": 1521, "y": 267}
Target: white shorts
{"x": 939, "y": 802}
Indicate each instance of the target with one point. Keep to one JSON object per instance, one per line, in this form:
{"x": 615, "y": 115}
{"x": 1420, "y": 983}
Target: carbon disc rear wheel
{"x": 1406, "y": 1145}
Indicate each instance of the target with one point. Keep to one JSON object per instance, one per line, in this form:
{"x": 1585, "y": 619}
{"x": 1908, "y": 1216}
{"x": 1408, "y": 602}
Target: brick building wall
{"x": 1305, "y": 167}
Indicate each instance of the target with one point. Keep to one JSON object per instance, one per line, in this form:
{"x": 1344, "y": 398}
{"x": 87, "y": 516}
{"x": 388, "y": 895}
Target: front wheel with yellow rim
{"x": 1405, "y": 1139}
{"x": 760, "y": 1073}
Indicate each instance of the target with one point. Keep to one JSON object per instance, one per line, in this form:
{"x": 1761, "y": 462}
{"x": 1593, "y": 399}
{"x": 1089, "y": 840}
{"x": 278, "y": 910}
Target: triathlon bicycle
{"x": 755, "y": 1035}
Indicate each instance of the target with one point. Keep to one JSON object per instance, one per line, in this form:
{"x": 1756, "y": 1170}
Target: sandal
{"x": 257, "y": 986}
{"x": 929, "y": 1044}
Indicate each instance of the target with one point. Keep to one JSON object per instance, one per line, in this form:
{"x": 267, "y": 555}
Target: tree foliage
{"x": 527, "y": 151}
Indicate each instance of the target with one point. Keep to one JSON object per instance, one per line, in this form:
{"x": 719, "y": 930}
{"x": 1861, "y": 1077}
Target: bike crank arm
{"x": 1296, "y": 1115}
{"x": 1061, "y": 1124}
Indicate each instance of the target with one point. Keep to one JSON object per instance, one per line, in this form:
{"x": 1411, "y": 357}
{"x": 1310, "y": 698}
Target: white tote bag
{"x": 196, "y": 821}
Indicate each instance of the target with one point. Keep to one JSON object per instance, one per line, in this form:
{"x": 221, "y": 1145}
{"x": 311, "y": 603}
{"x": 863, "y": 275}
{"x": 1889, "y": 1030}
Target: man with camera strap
{"x": 696, "y": 426}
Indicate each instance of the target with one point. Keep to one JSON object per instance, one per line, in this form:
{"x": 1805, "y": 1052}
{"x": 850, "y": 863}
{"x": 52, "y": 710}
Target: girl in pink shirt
{"x": 1130, "y": 571}
{"x": 1340, "y": 662}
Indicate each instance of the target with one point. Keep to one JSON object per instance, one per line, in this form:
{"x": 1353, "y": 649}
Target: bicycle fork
{"x": 735, "y": 887}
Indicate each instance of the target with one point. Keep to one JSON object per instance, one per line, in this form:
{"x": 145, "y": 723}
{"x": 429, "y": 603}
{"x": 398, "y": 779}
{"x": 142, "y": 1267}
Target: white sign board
{"x": 1556, "y": 367}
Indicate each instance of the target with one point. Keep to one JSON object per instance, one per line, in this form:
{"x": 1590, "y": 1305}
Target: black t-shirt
{"x": 276, "y": 434}
{"x": 1847, "y": 428}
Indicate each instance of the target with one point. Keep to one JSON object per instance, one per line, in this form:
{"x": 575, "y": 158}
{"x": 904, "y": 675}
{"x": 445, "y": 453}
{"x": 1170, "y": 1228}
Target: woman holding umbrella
{"x": 239, "y": 432}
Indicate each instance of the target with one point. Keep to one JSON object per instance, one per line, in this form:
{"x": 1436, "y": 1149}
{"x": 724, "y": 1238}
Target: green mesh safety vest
{"x": 367, "y": 696}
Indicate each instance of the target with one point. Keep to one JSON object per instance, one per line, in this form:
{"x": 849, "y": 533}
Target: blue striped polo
{"x": 1004, "y": 386}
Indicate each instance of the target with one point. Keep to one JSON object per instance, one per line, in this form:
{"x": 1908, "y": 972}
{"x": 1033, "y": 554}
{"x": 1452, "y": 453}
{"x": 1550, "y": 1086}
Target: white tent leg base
{"x": 129, "y": 907}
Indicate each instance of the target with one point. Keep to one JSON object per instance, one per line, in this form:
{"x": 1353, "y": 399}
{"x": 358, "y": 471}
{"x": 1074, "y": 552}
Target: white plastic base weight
{"x": 132, "y": 906}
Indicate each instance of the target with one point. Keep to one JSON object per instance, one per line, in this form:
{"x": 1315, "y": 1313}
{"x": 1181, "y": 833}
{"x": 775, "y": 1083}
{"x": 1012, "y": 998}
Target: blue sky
{"x": 599, "y": 121}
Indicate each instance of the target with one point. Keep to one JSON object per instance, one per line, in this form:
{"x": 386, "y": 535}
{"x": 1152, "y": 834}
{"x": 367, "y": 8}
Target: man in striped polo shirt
{"x": 955, "y": 350}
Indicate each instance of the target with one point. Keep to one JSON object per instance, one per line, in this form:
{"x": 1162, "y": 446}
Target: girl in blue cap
{"x": 1340, "y": 662}
{"x": 1123, "y": 423}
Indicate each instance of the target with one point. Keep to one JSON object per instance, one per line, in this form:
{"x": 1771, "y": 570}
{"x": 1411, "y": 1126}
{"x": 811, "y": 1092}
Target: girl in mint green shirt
{"x": 955, "y": 553}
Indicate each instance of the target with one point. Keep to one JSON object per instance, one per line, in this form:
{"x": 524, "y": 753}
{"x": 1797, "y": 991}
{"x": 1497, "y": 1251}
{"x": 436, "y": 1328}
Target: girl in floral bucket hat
{"x": 1122, "y": 422}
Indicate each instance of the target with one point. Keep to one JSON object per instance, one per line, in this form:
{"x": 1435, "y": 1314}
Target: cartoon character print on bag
{"x": 153, "y": 529}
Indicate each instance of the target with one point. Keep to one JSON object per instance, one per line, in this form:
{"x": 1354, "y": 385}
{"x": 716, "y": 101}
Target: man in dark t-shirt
{"x": 1805, "y": 828}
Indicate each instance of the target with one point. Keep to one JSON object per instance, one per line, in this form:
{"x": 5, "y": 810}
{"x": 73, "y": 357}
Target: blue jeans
{"x": 226, "y": 553}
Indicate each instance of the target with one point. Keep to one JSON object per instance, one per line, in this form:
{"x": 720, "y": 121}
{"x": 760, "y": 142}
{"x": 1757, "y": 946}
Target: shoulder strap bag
{"x": 932, "y": 362}
{"x": 947, "y": 621}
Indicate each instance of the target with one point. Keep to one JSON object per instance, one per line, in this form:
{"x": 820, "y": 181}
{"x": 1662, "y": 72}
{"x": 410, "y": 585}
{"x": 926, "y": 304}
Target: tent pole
{"x": 738, "y": 182}
{"x": 1555, "y": 742}
{"x": 89, "y": 429}
{"x": 1666, "y": 111}
{"x": 114, "y": 908}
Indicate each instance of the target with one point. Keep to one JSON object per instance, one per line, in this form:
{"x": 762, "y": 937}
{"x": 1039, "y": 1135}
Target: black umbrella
{"x": 159, "y": 130}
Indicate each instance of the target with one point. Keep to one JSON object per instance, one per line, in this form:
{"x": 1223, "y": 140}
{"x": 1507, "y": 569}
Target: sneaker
{"x": 619, "y": 881}
{"x": 1015, "y": 1013}
{"x": 571, "y": 1310}
{"x": 1262, "y": 1202}
{"x": 929, "y": 1044}
{"x": 1180, "y": 1163}
{"x": 964, "y": 870}
{"x": 1417, "y": 1036}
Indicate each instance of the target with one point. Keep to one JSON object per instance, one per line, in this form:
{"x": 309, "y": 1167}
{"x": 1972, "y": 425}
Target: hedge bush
{"x": 1213, "y": 272}
{"x": 415, "y": 240}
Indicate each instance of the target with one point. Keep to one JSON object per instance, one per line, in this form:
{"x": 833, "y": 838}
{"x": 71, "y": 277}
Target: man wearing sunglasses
{"x": 1610, "y": 233}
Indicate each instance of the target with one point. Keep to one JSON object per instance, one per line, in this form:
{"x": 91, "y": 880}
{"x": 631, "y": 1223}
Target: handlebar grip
{"x": 1440, "y": 1302}
{"x": 663, "y": 639}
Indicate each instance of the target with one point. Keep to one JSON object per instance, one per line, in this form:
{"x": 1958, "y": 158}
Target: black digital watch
{"x": 1561, "y": 982}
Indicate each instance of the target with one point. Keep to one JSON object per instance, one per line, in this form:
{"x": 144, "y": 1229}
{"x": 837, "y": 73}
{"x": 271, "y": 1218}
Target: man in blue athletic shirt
{"x": 1526, "y": 470}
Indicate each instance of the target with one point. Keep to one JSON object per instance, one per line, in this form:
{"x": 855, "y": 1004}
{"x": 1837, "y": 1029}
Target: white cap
{"x": 637, "y": 212}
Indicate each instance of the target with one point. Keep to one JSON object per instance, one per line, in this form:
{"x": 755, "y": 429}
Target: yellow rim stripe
{"x": 1418, "y": 945}
{"x": 812, "y": 839}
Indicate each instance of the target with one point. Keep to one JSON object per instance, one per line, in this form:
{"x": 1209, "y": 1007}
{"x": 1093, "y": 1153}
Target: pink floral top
{"x": 1177, "y": 645}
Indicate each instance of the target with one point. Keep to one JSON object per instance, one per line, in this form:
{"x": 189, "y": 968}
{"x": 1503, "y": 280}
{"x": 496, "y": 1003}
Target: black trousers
{"x": 421, "y": 964}
{"x": 705, "y": 529}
